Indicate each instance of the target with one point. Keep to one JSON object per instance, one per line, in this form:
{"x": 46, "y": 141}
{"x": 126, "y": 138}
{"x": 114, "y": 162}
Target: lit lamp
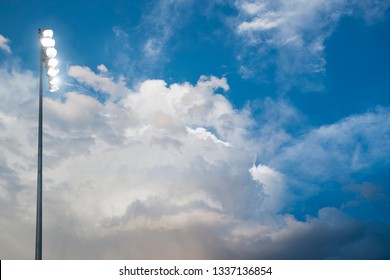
{"x": 47, "y": 57}
{"x": 48, "y": 54}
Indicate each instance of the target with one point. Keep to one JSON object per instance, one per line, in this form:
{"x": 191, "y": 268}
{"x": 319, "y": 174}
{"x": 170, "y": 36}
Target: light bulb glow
{"x": 53, "y": 88}
{"x": 51, "y": 52}
{"x": 52, "y": 71}
{"x": 52, "y": 62}
{"x": 48, "y": 42}
{"x": 48, "y": 54}
{"x": 54, "y": 80}
{"x": 47, "y": 33}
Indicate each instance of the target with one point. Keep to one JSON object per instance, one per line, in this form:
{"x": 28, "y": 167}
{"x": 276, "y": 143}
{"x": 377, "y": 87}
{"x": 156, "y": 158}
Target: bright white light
{"x": 47, "y": 33}
{"x": 54, "y": 80}
{"x": 52, "y": 62}
{"x": 51, "y": 52}
{"x": 52, "y": 71}
{"x": 48, "y": 42}
{"x": 53, "y": 88}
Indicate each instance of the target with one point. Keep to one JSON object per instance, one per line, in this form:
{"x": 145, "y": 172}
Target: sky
{"x": 183, "y": 129}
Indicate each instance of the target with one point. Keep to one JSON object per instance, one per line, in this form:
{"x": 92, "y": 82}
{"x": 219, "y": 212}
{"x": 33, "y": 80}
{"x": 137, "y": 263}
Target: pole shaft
{"x": 38, "y": 240}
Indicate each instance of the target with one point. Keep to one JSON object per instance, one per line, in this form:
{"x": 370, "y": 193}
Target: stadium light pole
{"x": 47, "y": 58}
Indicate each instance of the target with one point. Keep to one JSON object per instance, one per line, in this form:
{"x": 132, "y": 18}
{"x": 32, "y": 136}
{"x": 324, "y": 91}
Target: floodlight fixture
{"x": 47, "y": 58}
{"x": 52, "y": 62}
{"x": 52, "y": 71}
{"x": 48, "y": 42}
{"x": 53, "y": 80}
{"x": 53, "y": 87}
{"x": 51, "y": 52}
{"x": 47, "y": 33}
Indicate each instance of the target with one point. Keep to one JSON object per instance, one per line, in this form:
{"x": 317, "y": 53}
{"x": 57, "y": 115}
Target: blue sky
{"x": 191, "y": 129}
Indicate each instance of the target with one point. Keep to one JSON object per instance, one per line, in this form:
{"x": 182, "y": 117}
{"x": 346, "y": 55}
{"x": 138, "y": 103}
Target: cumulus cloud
{"x": 98, "y": 82}
{"x": 166, "y": 171}
{"x": 273, "y": 183}
{"x": 22, "y": 83}
{"x": 134, "y": 164}
{"x": 292, "y": 33}
{"x": 4, "y": 44}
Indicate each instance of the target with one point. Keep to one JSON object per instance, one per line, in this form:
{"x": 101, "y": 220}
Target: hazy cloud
{"x": 352, "y": 144}
{"x": 4, "y": 44}
{"x": 99, "y": 82}
{"x": 163, "y": 20}
{"x": 293, "y": 33}
{"x": 143, "y": 49}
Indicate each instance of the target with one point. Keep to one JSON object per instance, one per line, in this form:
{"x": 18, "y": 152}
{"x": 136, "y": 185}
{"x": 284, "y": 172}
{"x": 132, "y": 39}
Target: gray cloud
{"x": 369, "y": 191}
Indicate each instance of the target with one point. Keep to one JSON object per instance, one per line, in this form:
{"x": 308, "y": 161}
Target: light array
{"x": 48, "y": 54}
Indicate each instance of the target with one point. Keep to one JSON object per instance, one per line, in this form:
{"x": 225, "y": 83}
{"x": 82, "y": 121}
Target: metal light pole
{"x": 47, "y": 57}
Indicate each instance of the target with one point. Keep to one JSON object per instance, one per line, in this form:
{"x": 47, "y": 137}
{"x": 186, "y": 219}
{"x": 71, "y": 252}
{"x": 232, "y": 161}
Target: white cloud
{"x": 140, "y": 50}
{"x": 127, "y": 166}
{"x": 121, "y": 49}
{"x": 162, "y": 22}
{"x": 308, "y": 157}
{"x": 22, "y": 83}
{"x": 98, "y": 82}
{"x": 119, "y": 32}
{"x": 153, "y": 47}
{"x": 329, "y": 153}
{"x": 213, "y": 82}
{"x": 296, "y": 30}
{"x": 372, "y": 10}
{"x": 353, "y": 143}
{"x": 102, "y": 68}
{"x": 273, "y": 184}
{"x": 252, "y": 8}
{"x": 282, "y": 26}
{"x": 4, "y": 44}
{"x": 203, "y": 134}
{"x": 260, "y": 24}
{"x": 128, "y": 171}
